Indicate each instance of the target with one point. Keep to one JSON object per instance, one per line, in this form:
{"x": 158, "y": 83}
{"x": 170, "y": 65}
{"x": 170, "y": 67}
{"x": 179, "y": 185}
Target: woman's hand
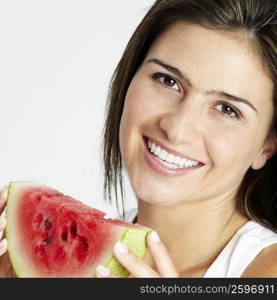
{"x": 3, "y": 241}
{"x": 6, "y": 269}
{"x": 138, "y": 267}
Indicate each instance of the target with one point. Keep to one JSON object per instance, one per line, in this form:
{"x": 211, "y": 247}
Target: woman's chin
{"x": 156, "y": 195}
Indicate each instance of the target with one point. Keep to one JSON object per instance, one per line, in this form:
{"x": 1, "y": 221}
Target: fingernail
{"x": 155, "y": 237}
{"x": 103, "y": 271}
{"x": 3, "y": 246}
{"x": 121, "y": 248}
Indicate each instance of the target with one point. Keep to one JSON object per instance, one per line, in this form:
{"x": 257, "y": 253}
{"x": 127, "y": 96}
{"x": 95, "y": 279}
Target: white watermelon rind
{"x": 133, "y": 237}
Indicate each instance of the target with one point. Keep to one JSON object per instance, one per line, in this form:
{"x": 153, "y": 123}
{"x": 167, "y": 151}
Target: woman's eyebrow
{"x": 232, "y": 98}
{"x": 169, "y": 68}
{"x": 180, "y": 74}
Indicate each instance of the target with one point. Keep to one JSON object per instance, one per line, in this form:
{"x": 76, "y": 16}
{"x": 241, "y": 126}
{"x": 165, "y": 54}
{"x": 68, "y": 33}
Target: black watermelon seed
{"x": 73, "y": 230}
{"x": 64, "y": 235}
{"x": 47, "y": 241}
{"x": 47, "y": 224}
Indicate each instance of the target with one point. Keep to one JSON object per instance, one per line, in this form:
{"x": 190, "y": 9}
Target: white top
{"x": 244, "y": 246}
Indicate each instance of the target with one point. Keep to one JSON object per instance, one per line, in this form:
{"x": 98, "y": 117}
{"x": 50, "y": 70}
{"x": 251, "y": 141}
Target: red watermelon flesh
{"x": 53, "y": 235}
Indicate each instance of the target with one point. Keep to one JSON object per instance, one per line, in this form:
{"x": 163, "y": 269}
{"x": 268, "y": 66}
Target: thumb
{"x": 3, "y": 198}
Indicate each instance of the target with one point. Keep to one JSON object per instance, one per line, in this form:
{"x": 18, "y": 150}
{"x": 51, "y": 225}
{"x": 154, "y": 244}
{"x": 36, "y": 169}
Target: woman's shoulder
{"x": 264, "y": 264}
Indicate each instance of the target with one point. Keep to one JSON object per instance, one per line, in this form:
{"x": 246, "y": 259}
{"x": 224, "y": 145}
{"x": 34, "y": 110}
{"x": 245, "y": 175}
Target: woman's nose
{"x": 181, "y": 125}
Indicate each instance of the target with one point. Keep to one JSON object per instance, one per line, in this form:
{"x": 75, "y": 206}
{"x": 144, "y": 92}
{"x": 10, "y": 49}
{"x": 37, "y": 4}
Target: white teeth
{"x": 170, "y": 160}
{"x": 167, "y": 164}
{"x": 157, "y": 151}
{"x": 182, "y": 161}
{"x": 177, "y": 160}
{"x": 187, "y": 164}
{"x": 163, "y": 154}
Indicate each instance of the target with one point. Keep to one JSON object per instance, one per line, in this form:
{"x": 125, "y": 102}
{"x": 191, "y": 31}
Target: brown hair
{"x": 257, "y": 19}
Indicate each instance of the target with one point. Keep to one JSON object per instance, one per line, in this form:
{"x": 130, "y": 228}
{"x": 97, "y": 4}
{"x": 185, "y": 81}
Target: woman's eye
{"x": 227, "y": 110}
{"x": 167, "y": 81}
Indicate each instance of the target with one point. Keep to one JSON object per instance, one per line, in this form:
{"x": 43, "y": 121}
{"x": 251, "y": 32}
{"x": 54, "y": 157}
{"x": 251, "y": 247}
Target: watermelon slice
{"x": 53, "y": 235}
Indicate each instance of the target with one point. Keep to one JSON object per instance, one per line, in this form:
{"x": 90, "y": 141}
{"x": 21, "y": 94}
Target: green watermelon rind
{"x": 134, "y": 239}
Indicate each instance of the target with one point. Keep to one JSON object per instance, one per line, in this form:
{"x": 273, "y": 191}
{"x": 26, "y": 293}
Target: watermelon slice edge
{"x": 53, "y": 235}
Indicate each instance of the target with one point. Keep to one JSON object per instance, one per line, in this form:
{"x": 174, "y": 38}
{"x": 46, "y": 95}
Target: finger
{"x": 136, "y": 266}
{"x": 103, "y": 272}
{"x": 3, "y": 198}
{"x": 161, "y": 256}
{"x": 3, "y": 246}
{"x": 3, "y": 222}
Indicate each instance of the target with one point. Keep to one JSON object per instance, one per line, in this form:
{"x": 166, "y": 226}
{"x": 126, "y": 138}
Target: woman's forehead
{"x": 214, "y": 59}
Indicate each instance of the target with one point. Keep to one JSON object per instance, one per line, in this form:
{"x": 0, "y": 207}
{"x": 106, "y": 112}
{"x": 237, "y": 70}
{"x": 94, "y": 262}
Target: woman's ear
{"x": 268, "y": 150}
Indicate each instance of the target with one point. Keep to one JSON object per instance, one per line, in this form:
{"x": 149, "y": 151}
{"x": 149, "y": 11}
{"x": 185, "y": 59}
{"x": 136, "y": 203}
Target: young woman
{"x": 192, "y": 118}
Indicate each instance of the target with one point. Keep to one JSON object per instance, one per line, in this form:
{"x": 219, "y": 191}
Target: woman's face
{"x": 202, "y": 102}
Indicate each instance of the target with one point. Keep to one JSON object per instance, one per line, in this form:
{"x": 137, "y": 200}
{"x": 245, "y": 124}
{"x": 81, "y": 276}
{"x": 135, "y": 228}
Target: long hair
{"x": 257, "y": 19}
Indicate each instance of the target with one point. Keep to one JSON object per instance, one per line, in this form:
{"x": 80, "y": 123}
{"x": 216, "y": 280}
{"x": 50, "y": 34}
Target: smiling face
{"x": 204, "y": 98}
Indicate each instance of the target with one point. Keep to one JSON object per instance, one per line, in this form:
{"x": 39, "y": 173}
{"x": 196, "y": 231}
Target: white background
{"x": 56, "y": 61}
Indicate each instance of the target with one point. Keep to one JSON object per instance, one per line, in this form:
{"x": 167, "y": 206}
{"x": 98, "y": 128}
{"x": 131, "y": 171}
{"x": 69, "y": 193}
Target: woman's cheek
{"x": 232, "y": 145}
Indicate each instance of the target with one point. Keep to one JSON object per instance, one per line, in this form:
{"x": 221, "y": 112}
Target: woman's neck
{"x": 194, "y": 233}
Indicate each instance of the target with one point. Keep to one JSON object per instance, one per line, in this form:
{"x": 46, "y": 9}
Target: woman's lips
{"x": 158, "y": 167}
